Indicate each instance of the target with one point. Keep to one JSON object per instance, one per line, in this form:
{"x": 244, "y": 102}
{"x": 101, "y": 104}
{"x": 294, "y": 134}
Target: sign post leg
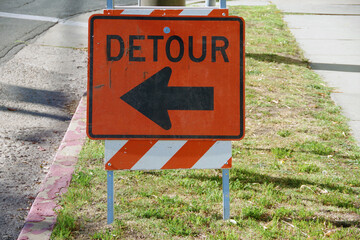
{"x": 110, "y": 4}
{"x": 226, "y": 194}
{"x": 110, "y": 197}
{"x": 222, "y": 3}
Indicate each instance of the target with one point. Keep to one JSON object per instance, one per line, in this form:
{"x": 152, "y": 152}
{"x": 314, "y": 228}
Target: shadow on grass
{"x": 270, "y": 57}
{"x": 339, "y": 222}
{"x": 285, "y": 182}
{"x": 335, "y": 154}
{"x": 190, "y": 173}
{"x": 248, "y": 176}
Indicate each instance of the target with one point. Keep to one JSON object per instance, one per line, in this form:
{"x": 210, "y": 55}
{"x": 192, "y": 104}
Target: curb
{"x": 42, "y": 216}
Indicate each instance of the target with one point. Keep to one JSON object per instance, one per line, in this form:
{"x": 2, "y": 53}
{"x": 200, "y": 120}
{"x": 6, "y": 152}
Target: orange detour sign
{"x": 173, "y": 77}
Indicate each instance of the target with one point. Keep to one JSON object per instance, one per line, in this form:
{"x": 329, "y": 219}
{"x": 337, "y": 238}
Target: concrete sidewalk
{"x": 329, "y": 33}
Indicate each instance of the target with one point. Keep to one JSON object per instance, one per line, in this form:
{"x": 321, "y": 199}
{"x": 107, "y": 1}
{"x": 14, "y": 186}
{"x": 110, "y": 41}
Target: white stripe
{"x": 159, "y": 155}
{"x": 29, "y": 17}
{"x": 216, "y": 156}
{"x": 44, "y": 19}
{"x": 112, "y": 147}
{"x": 73, "y": 23}
{"x": 195, "y": 12}
{"x": 137, "y": 11}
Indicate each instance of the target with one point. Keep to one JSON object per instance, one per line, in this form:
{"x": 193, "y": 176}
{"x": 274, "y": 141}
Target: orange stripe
{"x": 167, "y": 12}
{"x": 113, "y": 12}
{"x": 189, "y": 154}
{"x": 218, "y": 13}
{"x": 129, "y": 154}
{"x": 228, "y": 164}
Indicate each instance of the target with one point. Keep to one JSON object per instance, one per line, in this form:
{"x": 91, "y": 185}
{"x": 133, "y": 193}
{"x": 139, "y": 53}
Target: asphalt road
{"x": 42, "y": 78}
{"x": 19, "y": 31}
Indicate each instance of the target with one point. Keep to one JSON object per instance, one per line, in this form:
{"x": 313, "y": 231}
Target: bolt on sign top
{"x": 166, "y": 77}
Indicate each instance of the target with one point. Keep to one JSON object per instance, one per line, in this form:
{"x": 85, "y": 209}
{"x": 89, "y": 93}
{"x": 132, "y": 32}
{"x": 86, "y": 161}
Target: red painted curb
{"x": 42, "y": 217}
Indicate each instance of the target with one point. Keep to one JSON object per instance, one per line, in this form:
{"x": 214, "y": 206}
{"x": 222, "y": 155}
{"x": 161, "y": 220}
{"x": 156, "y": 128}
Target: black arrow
{"x": 154, "y": 98}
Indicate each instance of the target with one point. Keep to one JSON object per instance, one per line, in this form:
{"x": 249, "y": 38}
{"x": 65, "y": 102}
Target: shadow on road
{"x": 335, "y": 67}
{"x": 37, "y": 114}
{"x": 31, "y": 95}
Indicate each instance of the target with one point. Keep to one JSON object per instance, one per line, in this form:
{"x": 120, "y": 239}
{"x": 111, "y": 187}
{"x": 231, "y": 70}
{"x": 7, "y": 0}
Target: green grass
{"x": 65, "y": 226}
{"x": 308, "y": 168}
{"x": 295, "y": 174}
